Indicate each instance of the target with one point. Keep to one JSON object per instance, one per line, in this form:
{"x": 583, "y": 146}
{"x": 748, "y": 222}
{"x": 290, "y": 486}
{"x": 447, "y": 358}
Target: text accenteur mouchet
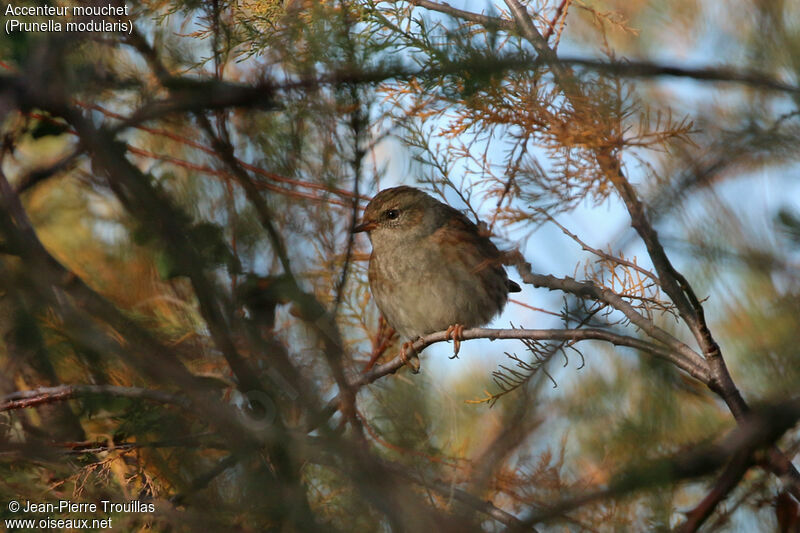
{"x": 66, "y": 11}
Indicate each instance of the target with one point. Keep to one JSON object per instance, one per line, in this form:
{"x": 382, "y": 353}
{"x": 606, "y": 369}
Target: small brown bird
{"x": 431, "y": 268}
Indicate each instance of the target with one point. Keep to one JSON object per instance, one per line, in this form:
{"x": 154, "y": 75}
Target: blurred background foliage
{"x": 346, "y": 98}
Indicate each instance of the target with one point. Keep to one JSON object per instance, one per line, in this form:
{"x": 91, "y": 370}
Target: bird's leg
{"x": 380, "y": 343}
{"x": 409, "y": 356}
{"x": 454, "y": 332}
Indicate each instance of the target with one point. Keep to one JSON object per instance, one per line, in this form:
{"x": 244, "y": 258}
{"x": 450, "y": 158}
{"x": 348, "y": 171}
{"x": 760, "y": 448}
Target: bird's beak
{"x": 368, "y": 225}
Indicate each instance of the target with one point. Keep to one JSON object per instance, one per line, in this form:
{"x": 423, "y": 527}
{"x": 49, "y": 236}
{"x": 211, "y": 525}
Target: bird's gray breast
{"x": 422, "y": 287}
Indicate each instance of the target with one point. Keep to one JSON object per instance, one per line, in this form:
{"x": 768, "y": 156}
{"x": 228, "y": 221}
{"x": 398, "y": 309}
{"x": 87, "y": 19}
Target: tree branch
{"x": 761, "y": 428}
{"x": 576, "y": 335}
{"x": 690, "y": 360}
{"x": 730, "y": 477}
{"x": 476, "y": 18}
{"x": 44, "y": 395}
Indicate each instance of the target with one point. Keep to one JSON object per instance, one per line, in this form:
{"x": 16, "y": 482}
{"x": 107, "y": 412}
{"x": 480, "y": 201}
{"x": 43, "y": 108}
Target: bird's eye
{"x": 392, "y": 214}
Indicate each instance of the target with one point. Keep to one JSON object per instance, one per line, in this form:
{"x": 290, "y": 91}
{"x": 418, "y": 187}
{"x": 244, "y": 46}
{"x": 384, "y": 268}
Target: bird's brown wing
{"x": 481, "y": 254}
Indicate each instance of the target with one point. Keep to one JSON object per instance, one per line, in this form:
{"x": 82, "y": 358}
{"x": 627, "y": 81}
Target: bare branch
{"x": 691, "y": 362}
{"x": 664, "y": 352}
{"x": 44, "y": 395}
{"x": 476, "y": 18}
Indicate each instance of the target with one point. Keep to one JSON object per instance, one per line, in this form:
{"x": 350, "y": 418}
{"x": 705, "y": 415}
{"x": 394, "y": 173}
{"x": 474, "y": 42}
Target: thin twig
{"x": 600, "y": 253}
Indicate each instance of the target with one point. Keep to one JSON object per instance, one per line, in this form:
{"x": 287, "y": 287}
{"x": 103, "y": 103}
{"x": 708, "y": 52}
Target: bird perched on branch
{"x": 431, "y": 268}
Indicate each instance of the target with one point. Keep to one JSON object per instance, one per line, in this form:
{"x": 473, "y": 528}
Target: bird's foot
{"x": 380, "y": 343}
{"x": 455, "y": 332}
{"x": 410, "y": 357}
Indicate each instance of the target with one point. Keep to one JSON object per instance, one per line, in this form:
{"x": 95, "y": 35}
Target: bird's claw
{"x": 455, "y": 332}
{"x": 409, "y": 356}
